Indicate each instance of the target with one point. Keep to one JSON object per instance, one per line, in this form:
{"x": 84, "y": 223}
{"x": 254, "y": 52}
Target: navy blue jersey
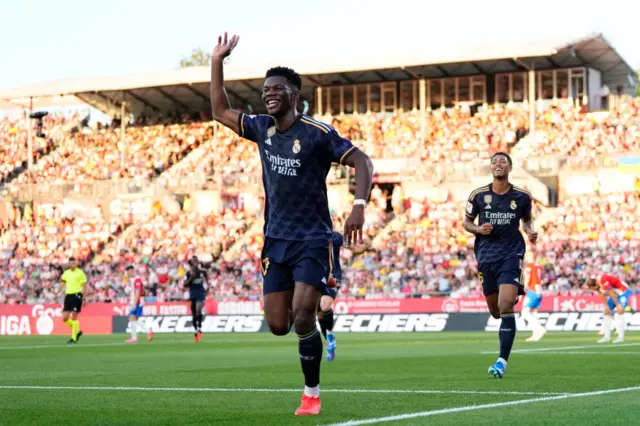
{"x": 295, "y": 164}
{"x": 504, "y": 213}
{"x": 196, "y": 278}
{"x": 336, "y": 243}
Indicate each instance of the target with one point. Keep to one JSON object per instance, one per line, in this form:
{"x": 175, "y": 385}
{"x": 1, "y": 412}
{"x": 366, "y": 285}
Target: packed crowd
{"x": 98, "y": 154}
{"x": 582, "y": 137}
{"x": 13, "y": 141}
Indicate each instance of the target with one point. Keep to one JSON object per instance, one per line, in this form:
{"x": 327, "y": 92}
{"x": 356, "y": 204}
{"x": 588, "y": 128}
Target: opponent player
{"x": 500, "y": 248}
{"x": 136, "y": 305}
{"x": 296, "y": 153}
{"x": 533, "y": 299}
{"x": 74, "y": 280}
{"x": 196, "y": 278}
{"x": 615, "y": 294}
{"x": 330, "y": 292}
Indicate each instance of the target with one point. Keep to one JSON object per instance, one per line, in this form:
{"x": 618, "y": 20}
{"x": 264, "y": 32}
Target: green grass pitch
{"x": 395, "y": 379}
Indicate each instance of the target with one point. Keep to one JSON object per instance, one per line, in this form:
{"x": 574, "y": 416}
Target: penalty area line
{"x": 383, "y": 391}
{"x": 478, "y": 407}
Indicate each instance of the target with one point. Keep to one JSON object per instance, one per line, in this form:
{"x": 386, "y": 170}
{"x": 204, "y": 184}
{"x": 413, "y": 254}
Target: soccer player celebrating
{"x": 196, "y": 279}
{"x": 296, "y": 153}
{"x": 74, "y": 280}
{"x": 330, "y": 292}
{"x": 136, "y": 304}
{"x": 533, "y": 299}
{"x": 500, "y": 248}
{"x": 615, "y": 294}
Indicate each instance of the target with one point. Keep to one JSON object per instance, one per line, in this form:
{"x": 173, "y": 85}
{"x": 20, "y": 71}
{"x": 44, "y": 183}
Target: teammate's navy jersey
{"x": 336, "y": 243}
{"x": 196, "y": 280}
{"x": 504, "y": 213}
{"x": 295, "y": 164}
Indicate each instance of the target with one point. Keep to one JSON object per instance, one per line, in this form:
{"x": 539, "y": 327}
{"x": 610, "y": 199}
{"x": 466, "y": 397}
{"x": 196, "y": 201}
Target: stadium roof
{"x": 187, "y": 89}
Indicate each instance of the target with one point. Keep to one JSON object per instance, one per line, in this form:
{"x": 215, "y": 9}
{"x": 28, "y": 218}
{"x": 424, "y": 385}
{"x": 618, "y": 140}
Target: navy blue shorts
{"x": 284, "y": 262}
{"x": 197, "y": 296}
{"x": 329, "y": 291}
{"x": 494, "y": 274}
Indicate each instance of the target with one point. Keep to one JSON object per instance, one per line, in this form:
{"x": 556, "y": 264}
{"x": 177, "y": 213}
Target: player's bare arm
{"x": 612, "y": 294}
{"x": 364, "y": 176}
{"x": 220, "y": 105}
{"x": 471, "y": 227}
{"x": 527, "y": 225}
{"x": 85, "y": 290}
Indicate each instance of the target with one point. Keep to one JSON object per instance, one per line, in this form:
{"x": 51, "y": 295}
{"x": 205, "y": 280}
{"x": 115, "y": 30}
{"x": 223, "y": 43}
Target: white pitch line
{"x": 478, "y": 407}
{"x": 561, "y": 348}
{"x": 155, "y": 342}
{"x": 585, "y": 353}
{"x": 405, "y": 391}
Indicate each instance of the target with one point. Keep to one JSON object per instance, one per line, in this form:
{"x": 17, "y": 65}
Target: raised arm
{"x": 220, "y": 105}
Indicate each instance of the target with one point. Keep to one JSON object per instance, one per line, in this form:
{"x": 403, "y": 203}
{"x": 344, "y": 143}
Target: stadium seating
{"x": 420, "y": 249}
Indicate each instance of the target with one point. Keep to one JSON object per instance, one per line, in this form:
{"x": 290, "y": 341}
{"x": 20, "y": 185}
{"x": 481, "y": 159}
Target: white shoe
{"x": 618, "y": 340}
{"x": 601, "y": 333}
{"x": 532, "y": 338}
{"x": 604, "y": 340}
{"x": 539, "y": 335}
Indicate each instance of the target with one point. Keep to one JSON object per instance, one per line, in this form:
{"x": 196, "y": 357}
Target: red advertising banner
{"x": 96, "y": 318}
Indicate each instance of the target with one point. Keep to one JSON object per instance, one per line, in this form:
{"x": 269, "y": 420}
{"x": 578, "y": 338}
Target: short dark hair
{"x": 129, "y": 267}
{"x": 504, "y": 154}
{"x": 72, "y": 259}
{"x": 292, "y": 77}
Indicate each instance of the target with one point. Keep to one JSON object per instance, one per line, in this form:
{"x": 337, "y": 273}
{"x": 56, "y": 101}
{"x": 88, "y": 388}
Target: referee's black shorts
{"x": 72, "y": 303}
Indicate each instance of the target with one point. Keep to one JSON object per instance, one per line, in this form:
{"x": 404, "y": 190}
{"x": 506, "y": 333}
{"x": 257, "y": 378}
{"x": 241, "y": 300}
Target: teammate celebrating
{"x": 615, "y": 294}
{"x": 196, "y": 279}
{"x": 330, "y": 292}
{"x": 74, "y": 280}
{"x": 296, "y": 153}
{"x": 500, "y": 248}
{"x": 533, "y": 299}
{"x": 136, "y": 304}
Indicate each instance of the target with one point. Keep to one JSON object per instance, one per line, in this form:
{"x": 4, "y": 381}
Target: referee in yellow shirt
{"x": 74, "y": 284}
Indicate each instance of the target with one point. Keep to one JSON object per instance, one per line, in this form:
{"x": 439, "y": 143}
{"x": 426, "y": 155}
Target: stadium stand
{"x": 198, "y": 185}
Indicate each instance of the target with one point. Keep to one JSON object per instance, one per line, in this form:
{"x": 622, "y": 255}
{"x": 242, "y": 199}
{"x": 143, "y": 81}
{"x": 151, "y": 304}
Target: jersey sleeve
{"x": 606, "y": 282}
{"x": 527, "y": 206}
{"x": 252, "y": 127}
{"x": 137, "y": 285}
{"x": 471, "y": 210}
{"x": 64, "y": 276}
{"x": 339, "y": 148}
{"x": 83, "y": 278}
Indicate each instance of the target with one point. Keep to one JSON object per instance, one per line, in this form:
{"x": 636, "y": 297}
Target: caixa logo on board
{"x": 568, "y": 321}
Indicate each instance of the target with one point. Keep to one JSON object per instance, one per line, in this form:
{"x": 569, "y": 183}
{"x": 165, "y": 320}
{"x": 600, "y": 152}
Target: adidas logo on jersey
{"x": 324, "y": 280}
{"x": 488, "y": 207}
{"x": 267, "y": 142}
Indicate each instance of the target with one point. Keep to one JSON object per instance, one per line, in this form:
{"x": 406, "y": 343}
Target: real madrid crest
{"x": 513, "y": 205}
{"x": 296, "y": 146}
{"x": 488, "y": 199}
{"x": 271, "y": 131}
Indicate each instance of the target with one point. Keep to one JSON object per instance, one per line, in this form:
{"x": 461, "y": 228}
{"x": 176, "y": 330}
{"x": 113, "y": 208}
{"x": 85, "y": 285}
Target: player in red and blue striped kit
{"x": 615, "y": 294}
{"x": 136, "y": 304}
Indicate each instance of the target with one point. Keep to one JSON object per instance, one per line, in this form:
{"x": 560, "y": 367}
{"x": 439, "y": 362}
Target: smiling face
{"x": 279, "y": 96}
{"x": 500, "y": 167}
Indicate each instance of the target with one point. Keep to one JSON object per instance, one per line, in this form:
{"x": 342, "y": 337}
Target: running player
{"x": 196, "y": 279}
{"x": 533, "y": 299}
{"x": 500, "y": 248}
{"x": 296, "y": 153}
{"x": 615, "y": 294}
{"x": 330, "y": 292}
{"x": 136, "y": 304}
{"x": 74, "y": 280}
